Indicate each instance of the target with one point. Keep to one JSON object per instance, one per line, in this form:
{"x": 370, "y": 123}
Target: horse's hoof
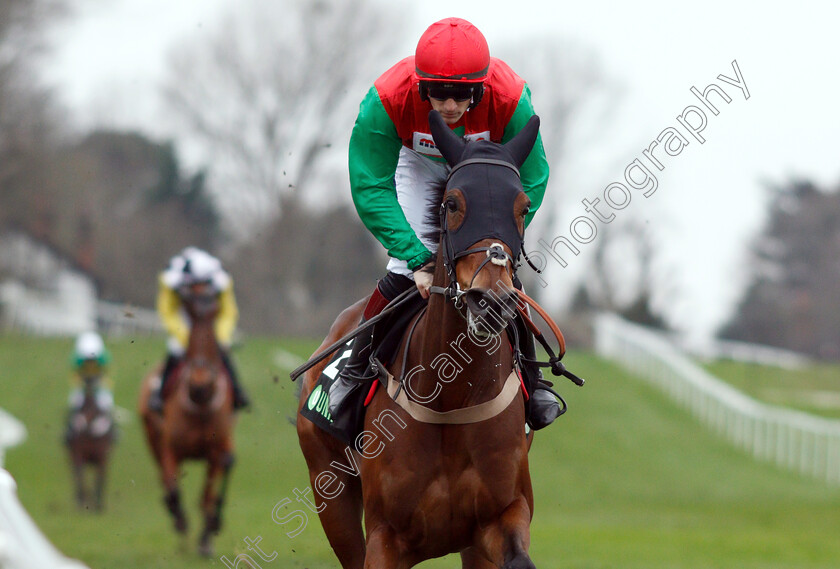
{"x": 205, "y": 549}
{"x": 181, "y": 525}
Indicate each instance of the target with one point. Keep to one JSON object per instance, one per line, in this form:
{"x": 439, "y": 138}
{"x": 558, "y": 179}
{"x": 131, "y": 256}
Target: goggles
{"x": 455, "y": 91}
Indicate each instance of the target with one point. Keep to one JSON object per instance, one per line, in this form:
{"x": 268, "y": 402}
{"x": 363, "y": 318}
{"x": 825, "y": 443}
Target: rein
{"x": 557, "y": 367}
{"x": 328, "y": 351}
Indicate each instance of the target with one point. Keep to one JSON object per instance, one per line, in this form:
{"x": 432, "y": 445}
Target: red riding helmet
{"x": 452, "y": 51}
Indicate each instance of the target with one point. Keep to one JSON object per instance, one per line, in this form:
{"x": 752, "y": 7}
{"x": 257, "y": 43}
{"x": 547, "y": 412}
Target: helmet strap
{"x": 477, "y": 95}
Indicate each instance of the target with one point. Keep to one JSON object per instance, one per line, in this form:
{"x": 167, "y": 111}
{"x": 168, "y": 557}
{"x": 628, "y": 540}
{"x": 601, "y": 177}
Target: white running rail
{"x": 22, "y": 545}
{"x": 791, "y": 439}
{"x": 12, "y": 433}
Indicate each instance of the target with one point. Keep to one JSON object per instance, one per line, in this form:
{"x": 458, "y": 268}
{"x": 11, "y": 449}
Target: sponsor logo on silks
{"x": 425, "y": 144}
{"x": 319, "y": 402}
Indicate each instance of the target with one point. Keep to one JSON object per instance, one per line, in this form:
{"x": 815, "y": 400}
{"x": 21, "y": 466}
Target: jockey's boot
{"x": 542, "y": 407}
{"x": 240, "y": 399}
{"x": 357, "y": 364}
{"x": 156, "y": 396}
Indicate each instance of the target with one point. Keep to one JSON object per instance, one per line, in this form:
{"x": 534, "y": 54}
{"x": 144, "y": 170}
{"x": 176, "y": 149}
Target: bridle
{"x": 495, "y": 252}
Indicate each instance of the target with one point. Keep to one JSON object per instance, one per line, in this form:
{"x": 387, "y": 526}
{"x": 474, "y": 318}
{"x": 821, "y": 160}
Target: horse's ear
{"x": 451, "y": 145}
{"x": 520, "y": 145}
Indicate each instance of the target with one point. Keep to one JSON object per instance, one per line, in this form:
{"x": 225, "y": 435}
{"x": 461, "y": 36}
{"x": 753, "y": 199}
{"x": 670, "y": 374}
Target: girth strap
{"x": 463, "y": 416}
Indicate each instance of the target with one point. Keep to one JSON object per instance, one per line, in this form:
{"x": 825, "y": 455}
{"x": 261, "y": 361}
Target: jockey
{"x": 192, "y": 266}
{"x": 395, "y": 166}
{"x": 89, "y": 361}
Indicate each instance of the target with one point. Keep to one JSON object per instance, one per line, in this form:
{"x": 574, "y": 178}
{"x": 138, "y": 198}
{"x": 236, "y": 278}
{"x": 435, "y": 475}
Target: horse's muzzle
{"x": 201, "y": 394}
{"x": 488, "y": 312}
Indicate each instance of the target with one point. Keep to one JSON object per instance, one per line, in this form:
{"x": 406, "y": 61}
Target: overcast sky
{"x": 709, "y": 199}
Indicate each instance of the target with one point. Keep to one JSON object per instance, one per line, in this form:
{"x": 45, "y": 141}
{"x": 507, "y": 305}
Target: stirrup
{"x": 352, "y": 376}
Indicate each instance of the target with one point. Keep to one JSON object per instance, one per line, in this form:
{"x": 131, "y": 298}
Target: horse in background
{"x": 442, "y": 463}
{"x": 197, "y": 419}
{"x": 90, "y": 437}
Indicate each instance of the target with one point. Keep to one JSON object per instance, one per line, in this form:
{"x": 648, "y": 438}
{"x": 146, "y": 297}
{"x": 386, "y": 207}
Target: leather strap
{"x": 463, "y": 416}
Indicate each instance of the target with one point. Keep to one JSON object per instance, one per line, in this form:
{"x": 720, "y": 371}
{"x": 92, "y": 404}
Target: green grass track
{"x": 624, "y": 480}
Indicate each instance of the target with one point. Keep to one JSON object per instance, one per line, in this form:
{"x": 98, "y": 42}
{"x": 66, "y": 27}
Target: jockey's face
{"x": 450, "y": 109}
{"x": 90, "y": 368}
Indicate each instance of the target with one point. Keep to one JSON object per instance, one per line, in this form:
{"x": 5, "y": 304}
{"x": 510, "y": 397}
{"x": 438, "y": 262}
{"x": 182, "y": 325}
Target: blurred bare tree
{"x": 29, "y": 121}
{"x": 792, "y": 299}
{"x": 625, "y": 276}
{"x": 574, "y": 97}
{"x": 272, "y": 91}
{"x": 268, "y": 101}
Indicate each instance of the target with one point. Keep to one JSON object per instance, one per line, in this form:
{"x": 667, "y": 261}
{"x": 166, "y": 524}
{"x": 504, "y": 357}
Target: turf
{"x": 812, "y": 388}
{"x": 624, "y": 480}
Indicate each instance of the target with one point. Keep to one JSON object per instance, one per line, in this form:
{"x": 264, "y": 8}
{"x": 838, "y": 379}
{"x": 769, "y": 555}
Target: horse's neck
{"x": 90, "y": 390}
{"x": 202, "y": 342}
{"x": 90, "y": 385}
{"x": 468, "y": 369}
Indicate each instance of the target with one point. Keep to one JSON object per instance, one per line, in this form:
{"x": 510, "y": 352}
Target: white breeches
{"x": 104, "y": 399}
{"x": 416, "y": 179}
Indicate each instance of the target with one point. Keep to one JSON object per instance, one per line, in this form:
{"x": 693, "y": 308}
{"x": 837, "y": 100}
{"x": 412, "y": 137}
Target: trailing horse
{"x": 197, "y": 421}
{"x": 90, "y": 438}
{"x": 442, "y": 463}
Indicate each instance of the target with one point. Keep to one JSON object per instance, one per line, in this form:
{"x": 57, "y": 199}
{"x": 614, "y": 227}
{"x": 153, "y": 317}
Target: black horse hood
{"x": 488, "y": 176}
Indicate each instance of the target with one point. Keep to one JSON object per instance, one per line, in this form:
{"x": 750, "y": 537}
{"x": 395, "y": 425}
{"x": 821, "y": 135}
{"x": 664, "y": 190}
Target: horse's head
{"x": 200, "y": 300}
{"x": 482, "y": 221}
{"x": 201, "y": 374}
{"x": 202, "y": 363}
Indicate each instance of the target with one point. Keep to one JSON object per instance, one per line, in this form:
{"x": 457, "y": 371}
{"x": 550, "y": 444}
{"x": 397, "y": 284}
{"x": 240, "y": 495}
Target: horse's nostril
{"x": 489, "y": 305}
{"x": 476, "y": 301}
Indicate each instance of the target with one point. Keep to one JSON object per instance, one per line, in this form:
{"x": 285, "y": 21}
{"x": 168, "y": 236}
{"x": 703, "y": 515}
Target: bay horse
{"x": 435, "y": 471}
{"x": 90, "y": 438}
{"x": 197, "y": 421}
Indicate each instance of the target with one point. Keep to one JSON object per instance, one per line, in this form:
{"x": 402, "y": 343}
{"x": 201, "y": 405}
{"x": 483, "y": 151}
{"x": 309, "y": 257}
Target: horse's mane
{"x": 433, "y": 201}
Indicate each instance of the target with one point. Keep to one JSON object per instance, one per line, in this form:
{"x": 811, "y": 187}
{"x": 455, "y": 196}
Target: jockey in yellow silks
{"x": 191, "y": 266}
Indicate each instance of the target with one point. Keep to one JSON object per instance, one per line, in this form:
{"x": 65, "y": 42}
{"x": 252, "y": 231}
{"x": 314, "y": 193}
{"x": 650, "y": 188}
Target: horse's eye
{"x": 526, "y": 210}
{"x": 451, "y": 205}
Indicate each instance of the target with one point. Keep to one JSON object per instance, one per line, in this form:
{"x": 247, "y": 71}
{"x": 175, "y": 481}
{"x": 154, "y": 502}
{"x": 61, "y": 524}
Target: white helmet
{"x": 89, "y": 346}
{"x": 194, "y": 265}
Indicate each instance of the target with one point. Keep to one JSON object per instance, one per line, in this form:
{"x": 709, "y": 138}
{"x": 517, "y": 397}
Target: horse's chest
{"x": 452, "y": 492}
{"x": 195, "y": 442}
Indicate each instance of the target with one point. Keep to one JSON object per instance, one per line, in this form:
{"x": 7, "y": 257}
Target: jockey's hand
{"x": 423, "y": 278}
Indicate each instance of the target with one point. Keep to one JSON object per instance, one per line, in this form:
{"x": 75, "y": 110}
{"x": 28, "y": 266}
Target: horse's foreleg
{"x": 471, "y": 558}
{"x": 506, "y": 542}
{"x": 79, "y": 482}
{"x": 172, "y": 498}
{"x": 341, "y": 514}
{"x": 383, "y": 551}
{"x": 99, "y": 488}
{"x": 215, "y": 489}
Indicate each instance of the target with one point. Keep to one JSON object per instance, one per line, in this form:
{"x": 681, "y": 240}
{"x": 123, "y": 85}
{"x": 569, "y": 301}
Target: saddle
{"x": 348, "y": 399}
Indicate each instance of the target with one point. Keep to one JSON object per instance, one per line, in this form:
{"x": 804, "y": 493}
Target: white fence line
{"x": 791, "y": 439}
{"x": 742, "y": 352}
{"x": 122, "y": 319}
{"x": 22, "y": 545}
{"x": 12, "y": 433}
